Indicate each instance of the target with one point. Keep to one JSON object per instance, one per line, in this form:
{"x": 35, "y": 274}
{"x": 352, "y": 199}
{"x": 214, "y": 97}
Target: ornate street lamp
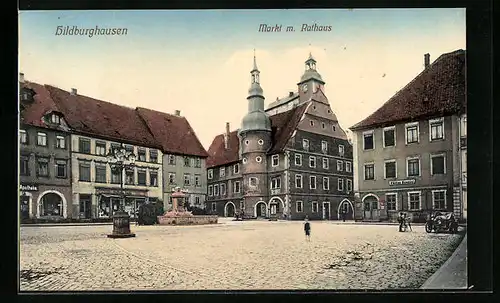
{"x": 120, "y": 159}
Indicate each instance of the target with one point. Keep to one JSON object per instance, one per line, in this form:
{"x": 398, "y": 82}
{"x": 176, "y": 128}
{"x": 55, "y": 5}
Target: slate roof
{"x": 91, "y": 116}
{"x": 42, "y": 104}
{"x": 438, "y": 90}
{"x": 173, "y": 133}
{"x": 282, "y": 127}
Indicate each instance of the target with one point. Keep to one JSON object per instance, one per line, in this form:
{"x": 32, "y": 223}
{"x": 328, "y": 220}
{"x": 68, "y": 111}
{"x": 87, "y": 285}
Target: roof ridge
{"x": 160, "y": 112}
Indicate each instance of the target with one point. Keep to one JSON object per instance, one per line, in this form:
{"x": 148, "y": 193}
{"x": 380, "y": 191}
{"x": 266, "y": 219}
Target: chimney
{"x": 290, "y": 94}
{"x": 21, "y": 77}
{"x": 73, "y": 92}
{"x": 226, "y": 136}
{"x": 427, "y": 59}
{"x": 177, "y": 112}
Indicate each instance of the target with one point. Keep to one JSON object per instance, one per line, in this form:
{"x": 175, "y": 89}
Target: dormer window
{"x": 26, "y": 95}
{"x": 54, "y": 118}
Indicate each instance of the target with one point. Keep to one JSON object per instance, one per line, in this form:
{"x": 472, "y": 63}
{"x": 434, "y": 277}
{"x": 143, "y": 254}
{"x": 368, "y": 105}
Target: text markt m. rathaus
{"x": 304, "y": 28}
{"x": 90, "y": 32}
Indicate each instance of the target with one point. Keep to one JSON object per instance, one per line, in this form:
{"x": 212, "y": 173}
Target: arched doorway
{"x": 345, "y": 210}
{"x": 370, "y": 207}
{"x": 276, "y": 206}
{"x": 52, "y": 203}
{"x": 261, "y": 209}
{"x": 229, "y": 209}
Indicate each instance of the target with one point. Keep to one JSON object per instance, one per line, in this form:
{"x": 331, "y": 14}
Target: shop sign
{"x": 402, "y": 182}
{"x": 28, "y": 187}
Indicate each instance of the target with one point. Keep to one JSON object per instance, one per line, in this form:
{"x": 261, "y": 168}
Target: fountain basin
{"x": 182, "y": 219}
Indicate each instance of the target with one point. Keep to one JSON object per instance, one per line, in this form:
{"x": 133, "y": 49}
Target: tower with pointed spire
{"x": 255, "y": 141}
{"x": 311, "y": 80}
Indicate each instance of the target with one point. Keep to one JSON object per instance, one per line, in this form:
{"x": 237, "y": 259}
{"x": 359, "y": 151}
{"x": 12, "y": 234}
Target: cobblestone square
{"x": 249, "y": 255}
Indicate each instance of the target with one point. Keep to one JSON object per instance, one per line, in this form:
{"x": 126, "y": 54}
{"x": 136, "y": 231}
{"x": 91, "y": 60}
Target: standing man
{"x": 401, "y": 221}
{"x": 307, "y": 229}
{"x": 343, "y": 214}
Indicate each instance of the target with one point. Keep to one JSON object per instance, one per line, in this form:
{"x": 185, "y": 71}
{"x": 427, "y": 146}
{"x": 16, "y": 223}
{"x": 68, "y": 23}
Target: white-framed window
{"x": 341, "y": 150}
{"x": 389, "y": 136}
{"x": 463, "y": 124}
{"x": 222, "y": 171}
{"x": 368, "y": 140}
{"x": 414, "y": 200}
{"x": 305, "y": 144}
{"x": 312, "y": 182}
{"x": 438, "y": 164}
{"x": 298, "y": 181}
{"x": 171, "y": 159}
{"x": 298, "y": 159}
{"x": 236, "y": 187}
{"x": 187, "y": 179}
{"x": 391, "y": 201}
{"x": 275, "y": 182}
{"x": 253, "y": 182}
{"x": 325, "y": 163}
{"x": 60, "y": 142}
{"x": 55, "y": 119}
{"x": 348, "y": 166}
{"x": 340, "y": 184}
{"x": 197, "y": 180}
{"x": 260, "y": 142}
{"x": 258, "y": 159}
{"x": 210, "y": 190}
{"x": 324, "y": 147}
{"x": 216, "y": 189}
{"x": 236, "y": 168}
{"x": 171, "y": 178}
{"x": 412, "y": 133}
{"x": 436, "y": 129}
{"x": 100, "y": 148}
{"x": 275, "y": 160}
{"x": 326, "y": 183}
{"x": 390, "y": 169}
{"x": 23, "y": 136}
{"x": 439, "y": 199}
{"x": 213, "y": 207}
{"x": 222, "y": 189}
{"x": 299, "y": 206}
{"x": 245, "y": 160}
{"x": 210, "y": 174}
{"x": 41, "y": 139}
{"x": 348, "y": 185}
{"x": 412, "y": 166}
{"x": 314, "y": 207}
{"x": 312, "y": 161}
{"x": 369, "y": 171}
{"x": 340, "y": 165}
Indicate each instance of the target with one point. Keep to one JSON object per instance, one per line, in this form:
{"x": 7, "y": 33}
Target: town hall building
{"x": 288, "y": 161}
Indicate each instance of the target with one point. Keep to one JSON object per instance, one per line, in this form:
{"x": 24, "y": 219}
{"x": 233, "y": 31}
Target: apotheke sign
{"x": 402, "y": 182}
{"x": 28, "y": 187}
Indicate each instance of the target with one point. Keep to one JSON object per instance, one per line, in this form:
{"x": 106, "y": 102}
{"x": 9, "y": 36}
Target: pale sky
{"x": 199, "y": 62}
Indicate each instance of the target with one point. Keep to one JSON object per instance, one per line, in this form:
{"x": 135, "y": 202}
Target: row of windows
{"x": 84, "y": 147}
{"x": 325, "y": 163}
{"x": 299, "y": 183}
{"x": 188, "y": 161}
{"x": 413, "y": 167}
{"x": 42, "y": 167}
{"x": 213, "y": 190}
{"x": 414, "y": 201}
{"x": 188, "y": 179}
{"x": 222, "y": 171}
{"x": 412, "y": 134}
{"x": 100, "y": 172}
{"x": 324, "y": 147}
{"x": 187, "y": 200}
{"x": 41, "y": 139}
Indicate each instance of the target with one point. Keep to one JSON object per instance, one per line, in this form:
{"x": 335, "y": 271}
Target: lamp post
{"x": 120, "y": 159}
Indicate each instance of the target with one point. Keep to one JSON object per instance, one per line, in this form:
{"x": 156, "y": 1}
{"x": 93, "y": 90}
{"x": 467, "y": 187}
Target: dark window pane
{"x": 389, "y": 137}
{"x": 438, "y": 165}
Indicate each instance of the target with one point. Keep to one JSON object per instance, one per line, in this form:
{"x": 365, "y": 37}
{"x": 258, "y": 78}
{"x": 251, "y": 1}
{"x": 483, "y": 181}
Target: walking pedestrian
{"x": 407, "y": 221}
{"x": 401, "y": 221}
{"x": 307, "y": 229}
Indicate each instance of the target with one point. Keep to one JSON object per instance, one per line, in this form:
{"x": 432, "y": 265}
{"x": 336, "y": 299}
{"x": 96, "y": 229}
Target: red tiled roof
{"x": 219, "y": 155}
{"x": 282, "y": 127}
{"x": 173, "y": 133}
{"x": 438, "y": 90}
{"x": 42, "y": 105}
{"x": 96, "y": 117}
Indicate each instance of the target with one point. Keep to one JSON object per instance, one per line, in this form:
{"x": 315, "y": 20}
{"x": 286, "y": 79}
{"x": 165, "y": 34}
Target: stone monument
{"x": 179, "y": 214}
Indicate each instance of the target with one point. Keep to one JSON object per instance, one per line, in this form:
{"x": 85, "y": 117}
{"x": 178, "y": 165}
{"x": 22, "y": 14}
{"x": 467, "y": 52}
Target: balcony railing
{"x": 275, "y": 191}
